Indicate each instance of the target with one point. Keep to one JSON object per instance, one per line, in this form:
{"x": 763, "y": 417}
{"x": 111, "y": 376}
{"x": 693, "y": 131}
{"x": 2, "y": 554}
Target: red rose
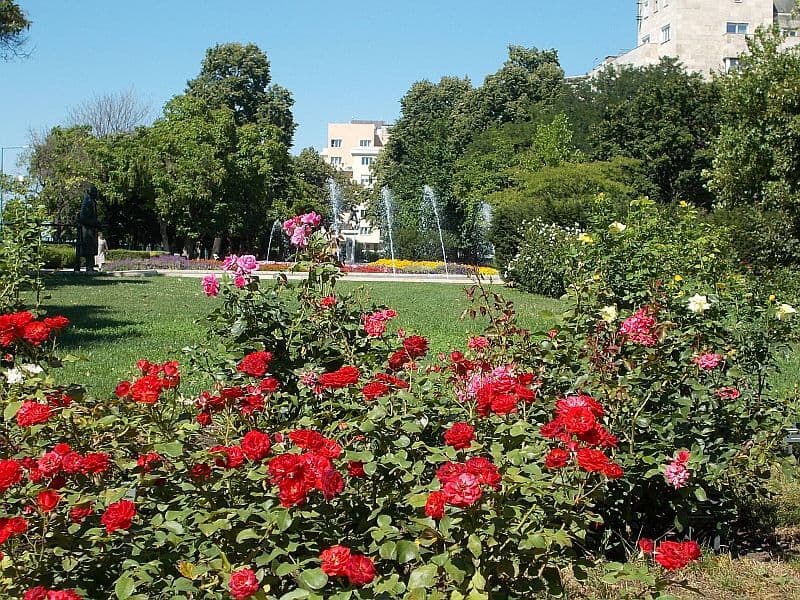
{"x": 256, "y": 445}
{"x": 374, "y": 390}
{"x": 341, "y": 378}
{"x": 335, "y": 560}
{"x": 728, "y": 393}
{"x": 62, "y": 448}
{"x": 676, "y": 555}
{"x": 646, "y": 545}
{"x": 171, "y": 368}
{"x": 398, "y": 360}
{"x": 416, "y": 346}
{"x": 35, "y": 333}
{"x": 592, "y": 460}
{"x": 147, "y": 389}
{"x": 118, "y": 516}
{"x": 56, "y": 323}
{"x": 484, "y": 470}
{"x": 578, "y": 419}
{"x": 243, "y": 584}
{"x": 143, "y": 365}
{"x": 462, "y": 491}
{"x": 392, "y": 381}
{"x": 360, "y": 570}
{"x": 63, "y": 595}
{"x": 78, "y": 513}
{"x": 307, "y": 439}
{"x": 10, "y": 473}
{"x": 204, "y": 418}
{"x": 48, "y": 500}
{"x": 434, "y": 506}
{"x": 255, "y": 364}
{"x": 355, "y": 468}
{"x": 95, "y": 462}
{"x": 37, "y": 593}
{"x": 269, "y": 385}
{"x": 292, "y": 492}
{"x": 146, "y": 462}
{"x": 449, "y": 471}
{"x": 328, "y": 301}
{"x": 200, "y": 471}
{"x": 459, "y": 436}
{"x": 557, "y": 458}
{"x": 232, "y": 456}
{"x": 9, "y": 527}
{"x": 613, "y": 471}
{"x": 331, "y": 484}
{"x": 71, "y": 463}
{"x": 32, "y": 413}
{"x": 49, "y": 463}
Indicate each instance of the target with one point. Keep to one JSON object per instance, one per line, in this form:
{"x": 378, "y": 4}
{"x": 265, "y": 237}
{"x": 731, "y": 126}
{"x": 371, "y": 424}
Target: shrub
{"x": 20, "y": 252}
{"x": 58, "y": 256}
{"x": 544, "y": 257}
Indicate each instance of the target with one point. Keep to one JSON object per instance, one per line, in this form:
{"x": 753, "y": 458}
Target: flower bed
{"x": 329, "y": 456}
{"x": 164, "y": 261}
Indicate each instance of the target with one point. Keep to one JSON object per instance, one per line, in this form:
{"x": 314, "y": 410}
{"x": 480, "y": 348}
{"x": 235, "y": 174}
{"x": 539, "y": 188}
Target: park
{"x": 538, "y": 340}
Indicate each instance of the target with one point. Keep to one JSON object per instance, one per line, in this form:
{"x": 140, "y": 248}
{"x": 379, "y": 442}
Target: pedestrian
{"x": 102, "y": 248}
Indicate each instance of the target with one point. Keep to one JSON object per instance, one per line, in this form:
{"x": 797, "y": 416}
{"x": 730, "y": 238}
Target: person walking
{"x": 102, "y": 248}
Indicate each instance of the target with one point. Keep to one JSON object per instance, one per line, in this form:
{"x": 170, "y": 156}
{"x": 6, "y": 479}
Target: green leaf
{"x": 474, "y": 546}
{"x": 407, "y": 551}
{"x": 313, "y": 579}
{"x": 11, "y": 410}
{"x": 246, "y": 534}
{"x": 124, "y": 586}
{"x": 173, "y": 449}
{"x": 423, "y": 577}
{"x": 700, "y": 494}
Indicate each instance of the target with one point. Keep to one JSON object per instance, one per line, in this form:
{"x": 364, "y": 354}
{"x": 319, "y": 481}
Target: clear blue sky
{"x": 338, "y": 64}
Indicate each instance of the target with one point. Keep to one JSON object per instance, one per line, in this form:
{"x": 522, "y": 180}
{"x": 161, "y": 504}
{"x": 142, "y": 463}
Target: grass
{"x": 116, "y": 321}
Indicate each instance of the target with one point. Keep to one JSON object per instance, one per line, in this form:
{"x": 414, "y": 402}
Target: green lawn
{"x": 116, "y": 321}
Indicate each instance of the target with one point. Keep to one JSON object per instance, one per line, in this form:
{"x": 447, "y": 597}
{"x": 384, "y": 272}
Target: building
{"x": 707, "y": 36}
{"x": 352, "y": 147}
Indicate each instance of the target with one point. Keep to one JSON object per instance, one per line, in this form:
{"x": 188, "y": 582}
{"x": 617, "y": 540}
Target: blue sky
{"x": 338, "y": 64}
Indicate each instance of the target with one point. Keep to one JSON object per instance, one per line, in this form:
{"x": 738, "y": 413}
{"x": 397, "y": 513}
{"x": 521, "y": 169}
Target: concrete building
{"x": 352, "y": 147}
{"x": 705, "y": 35}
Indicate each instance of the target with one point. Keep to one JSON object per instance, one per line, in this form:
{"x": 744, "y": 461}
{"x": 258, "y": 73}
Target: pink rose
{"x": 229, "y": 263}
{"x": 300, "y": 237}
{"x": 247, "y": 263}
{"x": 707, "y": 361}
{"x": 210, "y": 285}
{"x": 312, "y": 219}
{"x": 239, "y": 281}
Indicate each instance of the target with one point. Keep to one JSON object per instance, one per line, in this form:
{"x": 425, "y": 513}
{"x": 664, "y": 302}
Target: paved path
{"x": 267, "y": 275}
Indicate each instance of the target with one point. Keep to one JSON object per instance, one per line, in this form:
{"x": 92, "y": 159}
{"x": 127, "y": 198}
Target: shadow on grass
{"x": 90, "y": 325}
{"x": 57, "y": 280}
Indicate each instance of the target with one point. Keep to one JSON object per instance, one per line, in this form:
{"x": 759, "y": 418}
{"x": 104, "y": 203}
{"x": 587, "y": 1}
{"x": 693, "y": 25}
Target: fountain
{"x": 386, "y": 196}
{"x": 335, "y": 198}
{"x": 430, "y": 197}
{"x": 275, "y": 224}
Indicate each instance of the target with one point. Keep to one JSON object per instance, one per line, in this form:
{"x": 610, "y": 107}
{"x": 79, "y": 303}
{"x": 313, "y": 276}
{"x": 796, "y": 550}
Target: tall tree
{"x": 664, "y": 117}
{"x": 13, "y": 25}
{"x": 238, "y": 76}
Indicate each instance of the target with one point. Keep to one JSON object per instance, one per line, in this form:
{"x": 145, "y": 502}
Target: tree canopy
{"x": 14, "y": 24}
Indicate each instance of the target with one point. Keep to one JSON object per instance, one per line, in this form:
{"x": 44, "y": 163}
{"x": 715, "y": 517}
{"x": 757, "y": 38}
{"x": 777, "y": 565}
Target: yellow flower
{"x": 683, "y": 204}
{"x": 772, "y": 297}
{"x": 608, "y": 314}
{"x": 585, "y": 238}
{"x": 617, "y": 227}
{"x": 678, "y": 278}
{"x": 784, "y": 312}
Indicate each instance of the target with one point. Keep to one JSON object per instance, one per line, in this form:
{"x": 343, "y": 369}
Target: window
{"x": 366, "y": 180}
{"x": 666, "y": 34}
{"x": 646, "y": 39}
{"x": 366, "y": 160}
{"x": 736, "y": 28}
{"x": 336, "y": 160}
{"x": 789, "y": 32}
{"x": 365, "y": 143}
{"x": 655, "y": 6}
{"x": 731, "y": 64}
{"x": 336, "y": 143}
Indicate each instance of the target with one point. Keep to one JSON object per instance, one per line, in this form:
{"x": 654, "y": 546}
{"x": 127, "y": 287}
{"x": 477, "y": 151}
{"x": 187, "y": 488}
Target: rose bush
{"x": 330, "y": 456}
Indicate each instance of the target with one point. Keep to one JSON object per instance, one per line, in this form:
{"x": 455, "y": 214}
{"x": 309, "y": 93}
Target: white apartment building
{"x": 705, "y": 35}
{"x": 352, "y": 147}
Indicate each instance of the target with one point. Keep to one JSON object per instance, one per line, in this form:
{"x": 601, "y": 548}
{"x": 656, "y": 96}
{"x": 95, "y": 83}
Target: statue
{"x": 88, "y": 226}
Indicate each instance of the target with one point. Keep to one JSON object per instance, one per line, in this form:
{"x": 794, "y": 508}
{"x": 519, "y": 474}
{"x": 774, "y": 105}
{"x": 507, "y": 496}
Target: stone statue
{"x": 88, "y": 226}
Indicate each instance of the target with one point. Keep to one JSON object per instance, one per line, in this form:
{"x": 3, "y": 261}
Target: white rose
{"x": 784, "y": 312}
{"x": 698, "y": 304}
{"x": 608, "y": 314}
{"x": 32, "y": 369}
{"x": 14, "y": 376}
{"x": 617, "y": 227}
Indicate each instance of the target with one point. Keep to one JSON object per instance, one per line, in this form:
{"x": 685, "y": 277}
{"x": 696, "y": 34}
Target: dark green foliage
{"x": 13, "y": 25}
{"x": 561, "y": 195}
{"x": 664, "y": 117}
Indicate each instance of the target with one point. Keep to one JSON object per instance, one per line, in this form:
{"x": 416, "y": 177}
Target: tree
{"x": 664, "y": 117}
{"x": 13, "y": 25}
{"x": 238, "y": 76}
{"x": 112, "y": 113}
